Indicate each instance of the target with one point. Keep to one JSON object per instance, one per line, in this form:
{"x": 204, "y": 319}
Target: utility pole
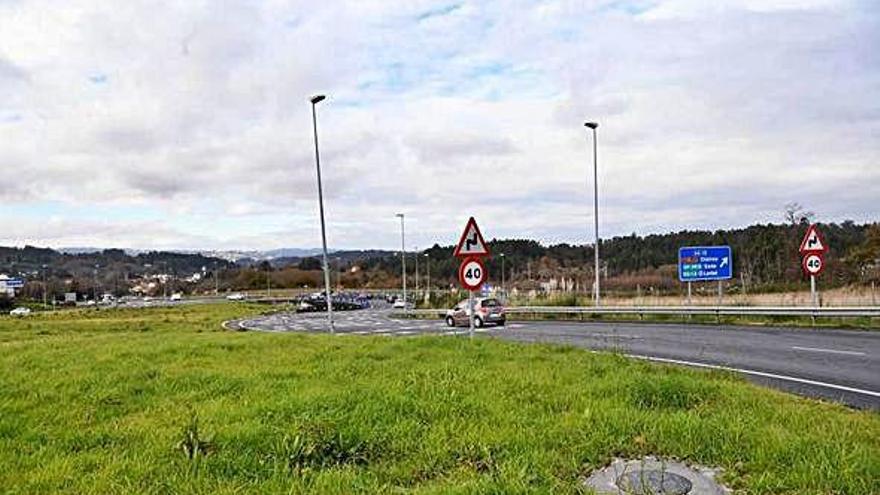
{"x": 428, "y": 274}
{"x": 268, "y": 280}
{"x": 403, "y": 258}
{"x": 503, "y": 289}
{"x": 45, "y": 267}
{"x": 593, "y": 126}
{"x": 315, "y": 100}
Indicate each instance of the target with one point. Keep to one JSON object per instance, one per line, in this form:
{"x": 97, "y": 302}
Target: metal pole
{"x": 720, "y": 292}
{"x": 268, "y": 282}
{"x": 328, "y": 297}
{"x": 44, "y": 287}
{"x": 813, "y": 290}
{"x": 403, "y": 258}
{"x": 471, "y": 314}
{"x": 689, "y": 293}
{"x": 503, "y": 285}
{"x": 428, "y": 274}
{"x": 873, "y": 295}
{"x": 216, "y": 281}
{"x": 596, "y": 212}
{"x": 417, "y": 274}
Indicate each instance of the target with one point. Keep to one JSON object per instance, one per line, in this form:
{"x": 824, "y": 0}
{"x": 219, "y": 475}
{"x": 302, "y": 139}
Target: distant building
{"x": 8, "y": 285}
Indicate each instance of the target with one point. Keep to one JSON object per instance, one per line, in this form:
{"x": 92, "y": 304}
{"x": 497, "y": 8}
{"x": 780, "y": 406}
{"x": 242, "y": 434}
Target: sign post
{"x": 472, "y": 272}
{"x": 813, "y": 248}
{"x": 705, "y": 263}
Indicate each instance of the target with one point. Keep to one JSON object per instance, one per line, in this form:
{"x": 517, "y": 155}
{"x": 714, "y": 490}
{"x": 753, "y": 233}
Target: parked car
{"x": 487, "y": 310}
{"x": 21, "y": 311}
{"x": 177, "y": 296}
{"x": 238, "y": 296}
{"x": 399, "y": 304}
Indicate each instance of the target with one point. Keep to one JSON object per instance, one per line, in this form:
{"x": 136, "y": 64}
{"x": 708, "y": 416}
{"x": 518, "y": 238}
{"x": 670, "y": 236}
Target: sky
{"x": 187, "y": 125}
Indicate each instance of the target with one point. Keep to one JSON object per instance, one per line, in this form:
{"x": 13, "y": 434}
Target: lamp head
{"x": 591, "y": 125}
{"x": 317, "y": 98}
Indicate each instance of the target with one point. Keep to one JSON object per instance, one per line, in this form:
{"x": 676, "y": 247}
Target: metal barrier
{"x": 718, "y": 311}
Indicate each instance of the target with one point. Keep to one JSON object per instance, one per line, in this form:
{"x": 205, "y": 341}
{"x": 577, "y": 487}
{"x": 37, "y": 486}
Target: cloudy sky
{"x": 187, "y": 124}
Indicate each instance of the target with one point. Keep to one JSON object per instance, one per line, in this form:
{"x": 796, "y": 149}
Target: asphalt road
{"x": 838, "y": 365}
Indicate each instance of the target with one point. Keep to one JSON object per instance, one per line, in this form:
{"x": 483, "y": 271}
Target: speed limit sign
{"x": 814, "y": 264}
{"x": 472, "y": 273}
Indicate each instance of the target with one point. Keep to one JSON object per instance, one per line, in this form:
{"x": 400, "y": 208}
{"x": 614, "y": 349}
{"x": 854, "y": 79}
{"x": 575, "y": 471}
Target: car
{"x": 399, "y": 304}
{"x": 21, "y": 311}
{"x": 488, "y": 310}
{"x": 236, "y": 297}
{"x": 177, "y": 296}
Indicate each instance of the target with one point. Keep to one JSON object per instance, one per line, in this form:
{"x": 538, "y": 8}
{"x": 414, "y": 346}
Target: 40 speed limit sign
{"x": 814, "y": 264}
{"x": 472, "y": 273}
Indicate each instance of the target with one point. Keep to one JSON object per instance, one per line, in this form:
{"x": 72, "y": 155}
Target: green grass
{"x": 162, "y": 401}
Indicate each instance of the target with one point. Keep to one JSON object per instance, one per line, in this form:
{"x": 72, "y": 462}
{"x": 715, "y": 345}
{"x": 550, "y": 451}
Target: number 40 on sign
{"x": 472, "y": 273}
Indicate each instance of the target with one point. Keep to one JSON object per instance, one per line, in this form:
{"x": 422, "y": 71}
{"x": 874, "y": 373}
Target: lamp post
{"x": 596, "y": 297}
{"x": 503, "y": 289}
{"x": 428, "y": 276}
{"x": 403, "y": 257}
{"x": 268, "y": 279}
{"x": 417, "y": 273}
{"x": 45, "y": 267}
{"x": 315, "y": 100}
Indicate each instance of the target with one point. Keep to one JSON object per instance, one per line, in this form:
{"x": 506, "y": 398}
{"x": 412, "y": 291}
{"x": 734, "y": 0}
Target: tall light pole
{"x": 403, "y": 257}
{"x": 503, "y": 290}
{"x": 216, "y": 281}
{"x": 417, "y": 273}
{"x": 45, "y": 282}
{"x": 593, "y": 126}
{"x": 315, "y": 100}
{"x": 428, "y": 275}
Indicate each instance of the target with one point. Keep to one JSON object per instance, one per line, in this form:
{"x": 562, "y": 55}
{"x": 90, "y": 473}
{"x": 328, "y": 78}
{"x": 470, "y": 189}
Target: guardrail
{"x": 718, "y": 311}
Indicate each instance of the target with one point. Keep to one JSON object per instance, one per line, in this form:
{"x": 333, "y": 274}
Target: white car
{"x": 399, "y": 304}
{"x": 22, "y": 311}
{"x": 235, "y": 297}
{"x": 177, "y": 296}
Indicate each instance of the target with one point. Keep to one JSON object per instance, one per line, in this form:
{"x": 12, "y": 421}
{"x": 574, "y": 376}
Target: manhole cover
{"x": 654, "y": 482}
{"x": 652, "y": 476}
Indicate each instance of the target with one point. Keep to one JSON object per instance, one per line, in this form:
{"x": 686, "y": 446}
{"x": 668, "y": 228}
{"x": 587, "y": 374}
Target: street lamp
{"x": 403, "y": 257}
{"x": 45, "y": 267}
{"x": 315, "y": 100}
{"x": 428, "y": 275}
{"x": 593, "y": 126}
{"x": 417, "y": 273}
{"x": 503, "y": 290}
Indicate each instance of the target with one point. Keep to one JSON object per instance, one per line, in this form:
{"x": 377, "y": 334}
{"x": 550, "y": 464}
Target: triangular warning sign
{"x": 471, "y": 242}
{"x": 813, "y": 242}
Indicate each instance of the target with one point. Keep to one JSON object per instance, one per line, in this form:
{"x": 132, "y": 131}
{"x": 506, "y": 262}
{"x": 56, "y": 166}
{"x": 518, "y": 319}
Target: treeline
{"x": 765, "y": 258}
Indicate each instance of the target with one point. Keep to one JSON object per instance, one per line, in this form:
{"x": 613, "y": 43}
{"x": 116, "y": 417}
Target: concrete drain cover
{"x": 654, "y": 482}
{"x": 651, "y": 476}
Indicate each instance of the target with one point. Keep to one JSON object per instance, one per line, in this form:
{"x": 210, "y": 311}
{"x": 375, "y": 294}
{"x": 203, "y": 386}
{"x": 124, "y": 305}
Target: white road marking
{"x": 829, "y": 351}
{"x": 757, "y": 373}
{"x": 405, "y": 332}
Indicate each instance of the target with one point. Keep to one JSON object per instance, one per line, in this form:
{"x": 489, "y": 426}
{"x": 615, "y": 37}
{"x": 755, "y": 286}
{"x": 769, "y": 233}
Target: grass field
{"x": 163, "y": 401}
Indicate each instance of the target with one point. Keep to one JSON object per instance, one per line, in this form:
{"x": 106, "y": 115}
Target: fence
{"x": 717, "y": 311}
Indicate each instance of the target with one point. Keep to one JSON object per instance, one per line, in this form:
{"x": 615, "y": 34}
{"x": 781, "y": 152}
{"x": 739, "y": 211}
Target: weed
{"x": 191, "y": 443}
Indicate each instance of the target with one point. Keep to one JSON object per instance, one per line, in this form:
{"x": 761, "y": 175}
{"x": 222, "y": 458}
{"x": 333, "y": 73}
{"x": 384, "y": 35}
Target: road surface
{"x": 839, "y": 365}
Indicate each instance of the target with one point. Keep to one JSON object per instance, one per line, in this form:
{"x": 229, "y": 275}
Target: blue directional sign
{"x": 700, "y": 263}
{"x": 13, "y": 283}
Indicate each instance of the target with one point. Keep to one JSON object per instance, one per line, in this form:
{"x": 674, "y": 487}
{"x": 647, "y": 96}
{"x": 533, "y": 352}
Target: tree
{"x": 795, "y": 214}
{"x": 309, "y": 264}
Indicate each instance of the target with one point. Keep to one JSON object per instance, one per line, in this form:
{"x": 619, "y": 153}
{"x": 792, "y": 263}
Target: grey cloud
{"x": 454, "y": 146}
